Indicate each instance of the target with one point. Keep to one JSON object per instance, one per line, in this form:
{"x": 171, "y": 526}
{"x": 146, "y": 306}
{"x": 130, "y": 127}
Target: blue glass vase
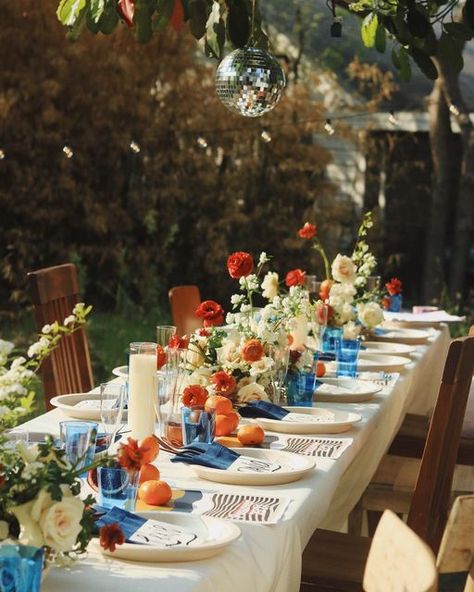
{"x": 330, "y": 339}
{"x": 20, "y": 568}
{"x": 396, "y": 302}
{"x": 300, "y": 388}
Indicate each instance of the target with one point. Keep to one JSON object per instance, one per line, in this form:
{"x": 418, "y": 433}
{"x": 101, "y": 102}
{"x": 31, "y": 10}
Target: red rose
{"x": 111, "y": 535}
{"x": 252, "y": 350}
{"x": 295, "y": 355}
{"x": 194, "y": 395}
{"x": 211, "y": 312}
{"x": 308, "y": 231}
{"x": 394, "y": 286}
{"x": 177, "y": 342}
{"x": 295, "y": 277}
{"x": 239, "y": 264}
{"x": 224, "y": 383}
{"x": 161, "y": 358}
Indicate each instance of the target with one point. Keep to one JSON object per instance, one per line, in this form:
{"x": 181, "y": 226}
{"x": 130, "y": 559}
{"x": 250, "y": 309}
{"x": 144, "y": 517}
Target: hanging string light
{"x": 2, "y": 154}
{"x": 134, "y": 147}
{"x": 454, "y": 110}
{"x": 266, "y": 137}
{"x": 392, "y": 119}
{"x": 202, "y": 142}
{"x": 68, "y": 151}
{"x": 328, "y": 127}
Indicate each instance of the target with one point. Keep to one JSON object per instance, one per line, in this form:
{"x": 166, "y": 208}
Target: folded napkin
{"x": 214, "y": 456}
{"x": 326, "y": 357}
{"x": 146, "y": 532}
{"x": 380, "y": 331}
{"x": 263, "y": 409}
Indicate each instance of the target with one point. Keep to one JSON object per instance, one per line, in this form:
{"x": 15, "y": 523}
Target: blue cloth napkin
{"x": 380, "y": 331}
{"x": 129, "y": 523}
{"x": 263, "y": 409}
{"x": 214, "y": 456}
{"x": 326, "y": 357}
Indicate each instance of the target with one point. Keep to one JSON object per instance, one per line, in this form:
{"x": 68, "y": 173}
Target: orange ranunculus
{"x": 177, "y": 342}
{"x": 160, "y": 357}
{"x": 325, "y": 288}
{"x": 194, "y": 395}
{"x": 130, "y": 455}
{"x": 295, "y": 277}
{"x": 224, "y": 384}
{"x": 308, "y": 231}
{"x": 386, "y": 302}
{"x": 394, "y": 286}
{"x": 111, "y": 535}
{"x": 252, "y": 351}
{"x": 211, "y": 312}
{"x": 239, "y": 264}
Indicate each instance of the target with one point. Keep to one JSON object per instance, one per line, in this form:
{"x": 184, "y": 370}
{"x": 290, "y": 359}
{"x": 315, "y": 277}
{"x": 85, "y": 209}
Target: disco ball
{"x": 250, "y": 81}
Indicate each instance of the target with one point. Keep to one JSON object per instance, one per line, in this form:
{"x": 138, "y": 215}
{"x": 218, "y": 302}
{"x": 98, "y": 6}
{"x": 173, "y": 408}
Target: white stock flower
{"x": 34, "y": 349}
{"x": 251, "y": 392}
{"x": 47, "y": 329}
{"x": 351, "y": 330}
{"x": 17, "y": 362}
{"x": 78, "y": 308}
{"x": 263, "y": 258}
{"x": 370, "y": 314}
{"x": 343, "y": 269}
{"x": 261, "y": 366}
{"x": 6, "y": 347}
{"x": 345, "y": 314}
{"x": 340, "y": 294}
{"x": 70, "y": 320}
{"x": 270, "y": 285}
{"x": 237, "y": 299}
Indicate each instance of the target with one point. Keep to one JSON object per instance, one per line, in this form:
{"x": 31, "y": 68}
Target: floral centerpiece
{"x": 350, "y": 305}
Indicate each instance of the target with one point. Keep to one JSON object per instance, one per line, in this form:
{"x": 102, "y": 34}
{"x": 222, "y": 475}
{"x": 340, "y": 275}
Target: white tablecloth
{"x": 268, "y": 558}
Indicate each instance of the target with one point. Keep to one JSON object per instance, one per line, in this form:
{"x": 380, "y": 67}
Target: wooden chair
{"x": 398, "y": 560}
{"x": 456, "y": 552}
{"x": 334, "y": 561}
{"x": 184, "y": 301}
{"x": 54, "y": 292}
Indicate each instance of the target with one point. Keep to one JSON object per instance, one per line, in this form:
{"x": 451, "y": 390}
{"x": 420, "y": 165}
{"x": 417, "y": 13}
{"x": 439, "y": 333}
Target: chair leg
{"x": 373, "y": 518}
{"x": 354, "y": 522}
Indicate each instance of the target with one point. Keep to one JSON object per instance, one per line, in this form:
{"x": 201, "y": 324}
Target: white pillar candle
{"x": 141, "y": 415}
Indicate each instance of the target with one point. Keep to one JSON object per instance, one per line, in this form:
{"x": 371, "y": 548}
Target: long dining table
{"x": 267, "y": 558}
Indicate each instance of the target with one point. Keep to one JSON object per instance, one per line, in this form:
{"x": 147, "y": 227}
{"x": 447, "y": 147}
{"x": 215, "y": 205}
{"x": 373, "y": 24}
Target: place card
{"x": 331, "y": 448}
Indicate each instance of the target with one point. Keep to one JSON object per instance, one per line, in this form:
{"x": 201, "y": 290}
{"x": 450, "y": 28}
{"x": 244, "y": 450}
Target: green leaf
{"x": 395, "y": 59}
{"x": 78, "y": 26}
{"x": 238, "y": 24}
{"x": 368, "y": 29}
{"x": 450, "y": 50}
{"x": 109, "y": 20}
{"x": 468, "y": 13}
{"x": 417, "y": 23}
{"x": 425, "y": 63}
{"x": 215, "y": 34}
{"x": 142, "y": 21}
{"x": 96, "y": 8}
{"x": 198, "y": 14}
{"x": 69, "y": 11}
{"x": 380, "y": 39}
{"x": 164, "y": 10}
{"x": 405, "y": 68}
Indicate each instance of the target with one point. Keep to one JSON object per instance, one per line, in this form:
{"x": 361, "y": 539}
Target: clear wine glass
{"x": 112, "y": 403}
{"x": 280, "y": 356}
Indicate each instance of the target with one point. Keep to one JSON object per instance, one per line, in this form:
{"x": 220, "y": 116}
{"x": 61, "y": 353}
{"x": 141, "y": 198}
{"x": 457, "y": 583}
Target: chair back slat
{"x": 430, "y": 504}
{"x": 54, "y": 292}
{"x": 184, "y": 301}
{"x": 399, "y": 559}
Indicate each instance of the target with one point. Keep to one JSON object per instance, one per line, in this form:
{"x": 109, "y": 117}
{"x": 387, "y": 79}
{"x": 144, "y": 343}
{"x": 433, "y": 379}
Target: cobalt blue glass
{"x": 20, "y": 568}
{"x": 300, "y": 388}
{"x": 395, "y": 303}
{"x": 78, "y": 438}
{"x": 117, "y": 488}
{"x": 198, "y": 425}
{"x": 347, "y": 354}
{"x": 330, "y": 339}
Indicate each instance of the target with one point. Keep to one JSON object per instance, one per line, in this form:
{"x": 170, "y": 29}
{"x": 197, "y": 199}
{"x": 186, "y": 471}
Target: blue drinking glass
{"x": 300, "y": 388}
{"x": 20, "y": 568}
{"x": 347, "y": 354}
{"x": 198, "y": 425}
{"x": 395, "y": 303}
{"x": 117, "y": 487}
{"x": 78, "y": 438}
{"x": 330, "y": 339}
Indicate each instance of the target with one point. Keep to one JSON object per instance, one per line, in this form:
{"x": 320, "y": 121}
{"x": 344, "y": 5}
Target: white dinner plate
{"x": 346, "y": 390}
{"x": 264, "y": 467}
{"x": 399, "y": 335}
{"x": 121, "y": 371}
{"x": 209, "y": 537}
{"x": 376, "y": 362}
{"x": 81, "y": 406}
{"x": 387, "y": 348}
{"x": 319, "y": 420}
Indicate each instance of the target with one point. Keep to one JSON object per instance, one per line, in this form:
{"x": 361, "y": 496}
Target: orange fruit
{"x": 251, "y": 435}
{"x": 320, "y": 369}
{"x": 155, "y": 492}
{"x": 221, "y": 405}
{"x": 226, "y": 424}
{"x": 148, "y": 472}
{"x": 149, "y": 448}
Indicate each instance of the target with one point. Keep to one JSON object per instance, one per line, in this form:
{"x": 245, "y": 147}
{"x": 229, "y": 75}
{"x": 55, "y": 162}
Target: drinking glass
{"x": 78, "y": 439}
{"x": 373, "y": 283}
{"x": 198, "y": 425}
{"x": 300, "y": 388}
{"x": 321, "y": 313}
{"x": 15, "y": 436}
{"x": 20, "y": 568}
{"x": 166, "y": 401}
{"x": 280, "y": 355}
{"x": 112, "y": 403}
{"x": 164, "y": 333}
{"x": 330, "y": 339}
{"x": 117, "y": 487}
{"x": 347, "y": 353}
